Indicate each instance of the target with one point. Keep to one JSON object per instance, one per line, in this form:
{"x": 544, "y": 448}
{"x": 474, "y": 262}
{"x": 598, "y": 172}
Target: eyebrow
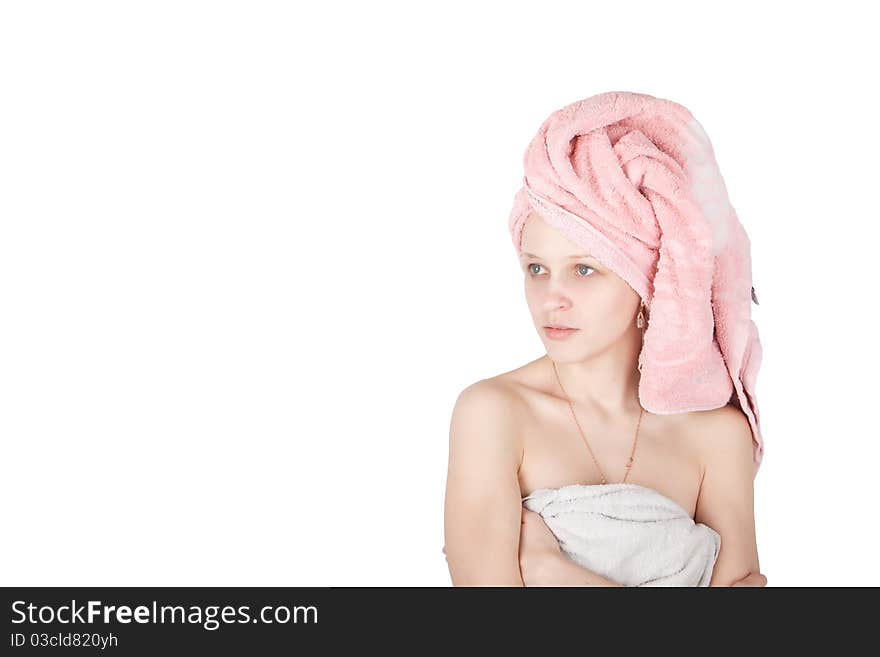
{"x": 526, "y": 254}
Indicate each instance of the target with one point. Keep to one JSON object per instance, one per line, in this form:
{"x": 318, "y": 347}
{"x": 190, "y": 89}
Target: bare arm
{"x": 558, "y": 570}
{"x": 483, "y": 504}
{"x": 725, "y": 504}
{"x": 726, "y": 500}
{"x": 483, "y": 414}
{"x": 562, "y": 571}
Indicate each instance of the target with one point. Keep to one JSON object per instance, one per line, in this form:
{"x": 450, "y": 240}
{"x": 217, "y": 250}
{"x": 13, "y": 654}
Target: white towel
{"x": 628, "y": 533}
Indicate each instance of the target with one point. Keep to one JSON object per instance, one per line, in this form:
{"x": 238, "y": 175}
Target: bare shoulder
{"x": 493, "y": 405}
{"x": 488, "y": 417}
{"x": 483, "y": 504}
{"x": 490, "y": 393}
{"x": 722, "y": 436}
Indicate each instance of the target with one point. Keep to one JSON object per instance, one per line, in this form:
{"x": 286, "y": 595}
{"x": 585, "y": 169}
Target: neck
{"x": 607, "y": 383}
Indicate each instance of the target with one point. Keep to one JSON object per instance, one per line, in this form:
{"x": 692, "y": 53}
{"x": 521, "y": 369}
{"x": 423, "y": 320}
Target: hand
{"x": 538, "y": 549}
{"x": 752, "y": 579}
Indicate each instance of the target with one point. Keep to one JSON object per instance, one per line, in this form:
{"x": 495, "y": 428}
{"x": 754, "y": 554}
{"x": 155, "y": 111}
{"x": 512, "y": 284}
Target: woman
{"x": 625, "y": 456}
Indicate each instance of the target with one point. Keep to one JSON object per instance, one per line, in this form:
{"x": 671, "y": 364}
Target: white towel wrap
{"x": 628, "y": 533}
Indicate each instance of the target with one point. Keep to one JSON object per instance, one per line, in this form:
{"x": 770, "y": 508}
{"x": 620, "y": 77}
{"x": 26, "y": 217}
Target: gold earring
{"x": 640, "y": 320}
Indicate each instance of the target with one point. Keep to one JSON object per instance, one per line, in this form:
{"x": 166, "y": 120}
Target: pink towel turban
{"x": 633, "y": 179}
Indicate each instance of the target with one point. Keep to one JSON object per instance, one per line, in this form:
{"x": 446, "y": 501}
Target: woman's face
{"x": 565, "y": 286}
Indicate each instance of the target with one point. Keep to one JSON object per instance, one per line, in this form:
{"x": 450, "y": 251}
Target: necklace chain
{"x": 629, "y": 463}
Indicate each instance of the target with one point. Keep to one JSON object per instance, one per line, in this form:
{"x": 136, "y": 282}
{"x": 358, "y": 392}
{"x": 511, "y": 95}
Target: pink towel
{"x": 633, "y": 179}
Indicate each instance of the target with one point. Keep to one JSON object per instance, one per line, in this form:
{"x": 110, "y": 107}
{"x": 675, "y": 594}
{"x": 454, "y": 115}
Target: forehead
{"x": 540, "y": 239}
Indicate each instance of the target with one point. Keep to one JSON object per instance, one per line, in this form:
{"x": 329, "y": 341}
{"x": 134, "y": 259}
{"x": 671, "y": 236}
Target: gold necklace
{"x": 629, "y": 463}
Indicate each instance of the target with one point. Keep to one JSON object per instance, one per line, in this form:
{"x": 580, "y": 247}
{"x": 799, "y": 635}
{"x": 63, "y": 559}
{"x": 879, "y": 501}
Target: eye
{"x": 579, "y": 268}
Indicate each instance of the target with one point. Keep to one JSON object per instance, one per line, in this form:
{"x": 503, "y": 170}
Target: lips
{"x": 558, "y": 326}
{"x": 559, "y": 333}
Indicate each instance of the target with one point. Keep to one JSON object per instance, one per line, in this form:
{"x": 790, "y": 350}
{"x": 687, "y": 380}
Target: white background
{"x": 250, "y": 253}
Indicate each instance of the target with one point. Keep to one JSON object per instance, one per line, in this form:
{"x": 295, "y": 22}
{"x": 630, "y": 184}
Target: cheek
{"x": 533, "y": 295}
{"x": 536, "y": 300}
{"x": 615, "y": 315}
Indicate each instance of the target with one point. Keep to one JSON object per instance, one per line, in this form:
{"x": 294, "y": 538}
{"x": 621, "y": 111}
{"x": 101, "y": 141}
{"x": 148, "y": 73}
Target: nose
{"x": 556, "y": 299}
